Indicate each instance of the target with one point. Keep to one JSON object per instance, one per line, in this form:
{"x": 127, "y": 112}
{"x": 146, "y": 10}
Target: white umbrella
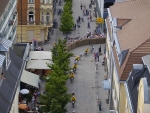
{"x": 38, "y": 64}
{"x": 44, "y": 55}
{"x": 24, "y": 91}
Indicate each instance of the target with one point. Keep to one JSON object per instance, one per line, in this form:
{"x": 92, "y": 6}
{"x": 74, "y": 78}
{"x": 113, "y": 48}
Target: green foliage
{"x": 68, "y": 7}
{"x": 56, "y": 97}
{"x": 68, "y": 0}
{"x": 67, "y": 18}
{"x": 66, "y": 22}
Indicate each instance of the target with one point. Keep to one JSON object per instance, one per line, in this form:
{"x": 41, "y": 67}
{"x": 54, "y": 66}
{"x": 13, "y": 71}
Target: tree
{"x": 66, "y": 22}
{"x": 68, "y": 7}
{"x": 61, "y": 56}
{"x": 56, "y": 96}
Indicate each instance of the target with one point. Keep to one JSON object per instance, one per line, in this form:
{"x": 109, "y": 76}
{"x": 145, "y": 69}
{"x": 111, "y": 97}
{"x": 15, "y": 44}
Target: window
{"x": 31, "y": 16}
{"x": 31, "y": 1}
{"x": 42, "y": 1}
{"x": 48, "y": 1}
{"x": 42, "y": 17}
{"x": 47, "y": 17}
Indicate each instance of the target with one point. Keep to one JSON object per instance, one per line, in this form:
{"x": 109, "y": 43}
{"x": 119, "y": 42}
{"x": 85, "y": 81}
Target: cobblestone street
{"x": 87, "y": 84}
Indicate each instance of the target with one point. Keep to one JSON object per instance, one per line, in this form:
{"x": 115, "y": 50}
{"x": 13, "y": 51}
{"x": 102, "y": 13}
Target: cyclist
{"x": 72, "y": 75}
{"x": 92, "y": 49}
{"x": 75, "y": 66}
{"x": 81, "y": 55}
{"x": 73, "y": 98}
{"x": 86, "y": 51}
{"x": 77, "y": 58}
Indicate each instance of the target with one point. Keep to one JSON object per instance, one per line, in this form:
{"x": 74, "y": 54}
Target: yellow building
{"x": 143, "y": 105}
{"x": 137, "y": 88}
{"x": 34, "y": 19}
{"x": 126, "y": 43}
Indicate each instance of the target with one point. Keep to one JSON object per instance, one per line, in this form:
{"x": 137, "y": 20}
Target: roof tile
{"x": 134, "y": 35}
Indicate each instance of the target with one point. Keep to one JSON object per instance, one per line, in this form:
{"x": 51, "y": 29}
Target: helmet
{"x": 71, "y": 70}
{"x": 72, "y": 93}
{"x": 73, "y": 112}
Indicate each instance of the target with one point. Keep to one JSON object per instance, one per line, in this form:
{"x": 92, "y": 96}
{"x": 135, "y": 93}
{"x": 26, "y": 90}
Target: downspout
{"x": 119, "y": 99}
{"x": 111, "y": 77}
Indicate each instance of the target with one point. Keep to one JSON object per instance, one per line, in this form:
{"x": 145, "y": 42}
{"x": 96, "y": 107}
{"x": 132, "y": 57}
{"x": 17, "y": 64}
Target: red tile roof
{"x": 134, "y": 35}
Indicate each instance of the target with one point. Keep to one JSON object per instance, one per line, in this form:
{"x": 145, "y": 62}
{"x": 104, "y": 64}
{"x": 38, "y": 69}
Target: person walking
{"x": 100, "y": 50}
{"x": 79, "y": 18}
{"x": 88, "y": 25}
{"x": 83, "y": 12}
{"x": 74, "y": 26}
{"x": 91, "y": 18}
{"x": 99, "y": 105}
{"x": 97, "y": 56}
{"x": 81, "y": 6}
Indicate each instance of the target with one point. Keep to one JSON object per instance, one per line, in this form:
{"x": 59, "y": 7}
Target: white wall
{"x": 14, "y": 107}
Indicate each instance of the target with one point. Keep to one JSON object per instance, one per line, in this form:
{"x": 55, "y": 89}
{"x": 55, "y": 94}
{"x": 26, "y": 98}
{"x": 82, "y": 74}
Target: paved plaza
{"x": 87, "y": 84}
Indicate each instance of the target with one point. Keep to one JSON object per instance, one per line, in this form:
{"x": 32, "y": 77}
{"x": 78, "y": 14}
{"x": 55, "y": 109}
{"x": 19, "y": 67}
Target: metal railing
{"x": 31, "y": 22}
{"x": 6, "y": 14}
{"x": 46, "y": 23}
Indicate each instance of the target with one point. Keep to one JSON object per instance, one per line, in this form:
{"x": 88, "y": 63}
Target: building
{"x": 8, "y": 19}
{"x": 127, "y": 42}
{"x": 103, "y": 5}
{"x": 137, "y": 87}
{"x": 34, "y": 19}
{"x": 10, "y": 86}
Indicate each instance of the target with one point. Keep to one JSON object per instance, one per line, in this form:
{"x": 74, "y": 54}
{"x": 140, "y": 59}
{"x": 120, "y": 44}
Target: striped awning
{"x": 2, "y": 58}
{"x": 5, "y": 44}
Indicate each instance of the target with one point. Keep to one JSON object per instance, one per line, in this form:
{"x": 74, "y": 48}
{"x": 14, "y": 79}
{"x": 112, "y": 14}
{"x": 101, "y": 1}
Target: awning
{"x": 45, "y": 55}
{"x": 2, "y": 58}
{"x": 106, "y": 84}
{"x": 30, "y": 78}
{"x": 38, "y": 64}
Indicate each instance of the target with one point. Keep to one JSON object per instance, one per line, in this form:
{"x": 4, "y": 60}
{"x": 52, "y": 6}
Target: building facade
{"x": 125, "y": 46}
{"x": 8, "y": 19}
{"x": 137, "y": 87}
{"x": 34, "y": 19}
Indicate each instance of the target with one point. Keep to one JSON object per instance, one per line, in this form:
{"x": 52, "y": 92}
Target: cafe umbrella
{"x": 24, "y": 91}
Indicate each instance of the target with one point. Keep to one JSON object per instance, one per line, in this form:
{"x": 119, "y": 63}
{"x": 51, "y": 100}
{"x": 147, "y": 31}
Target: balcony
{"x": 7, "y": 16}
{"x": 46, "y": 7}
{"x": 46, "y": 23}
{"x": 11, "y": 25}
{"x": 31, "y": 22}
